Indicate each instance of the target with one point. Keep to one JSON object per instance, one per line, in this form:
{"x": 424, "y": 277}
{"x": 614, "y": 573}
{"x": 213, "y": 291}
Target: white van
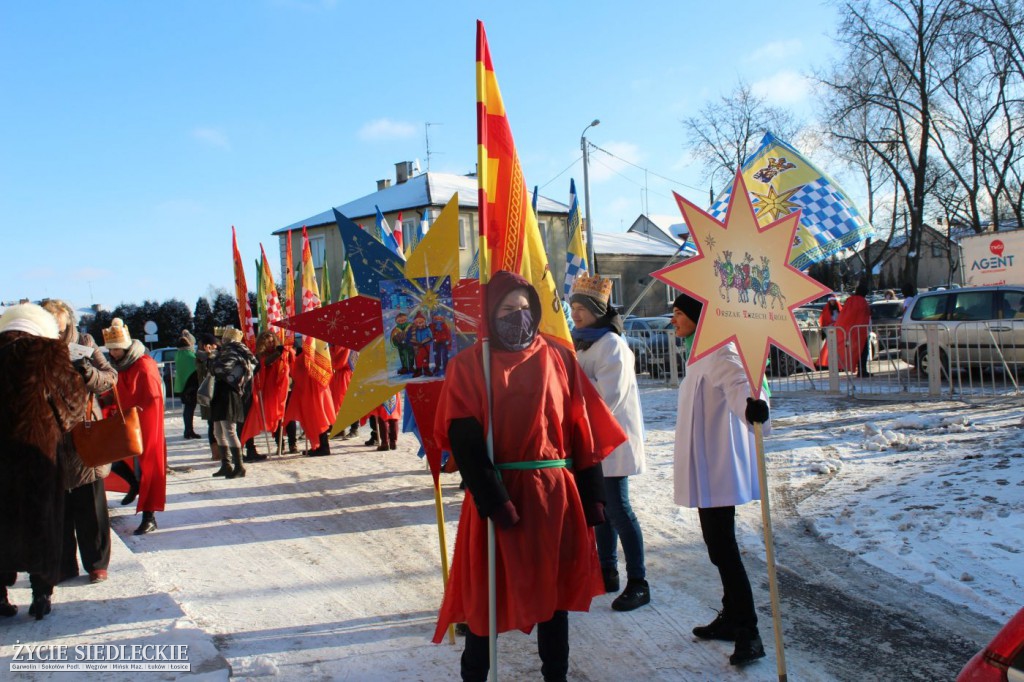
{"x": 977, "y": 326}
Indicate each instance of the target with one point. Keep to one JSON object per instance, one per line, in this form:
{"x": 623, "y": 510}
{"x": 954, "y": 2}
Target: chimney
{"x": 383, "y": 184}
{"x": 403, "y": 171}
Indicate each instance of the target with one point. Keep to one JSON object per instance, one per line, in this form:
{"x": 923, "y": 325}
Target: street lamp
{"x": 586, "y": 197}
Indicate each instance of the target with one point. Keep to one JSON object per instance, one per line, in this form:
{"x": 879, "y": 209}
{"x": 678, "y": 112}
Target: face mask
{"x": 515, "y": 330}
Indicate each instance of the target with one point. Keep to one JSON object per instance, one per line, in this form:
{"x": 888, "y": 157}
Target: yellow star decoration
{"x": 776, "y": 204}
{"x": 743, "y": 276}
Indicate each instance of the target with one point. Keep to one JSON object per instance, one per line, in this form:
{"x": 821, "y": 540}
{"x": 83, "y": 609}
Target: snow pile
{"x": 877, "y": 439}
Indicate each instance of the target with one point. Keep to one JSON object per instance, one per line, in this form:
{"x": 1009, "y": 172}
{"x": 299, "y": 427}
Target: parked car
{"x": 886, "y": 318}
{"x": 659, "y": 335}
{"x": 1003, "y": 659}
{"x": 782, "y": 364}
{"x": 165, "y": 361}
{"x": 977, "y": 326}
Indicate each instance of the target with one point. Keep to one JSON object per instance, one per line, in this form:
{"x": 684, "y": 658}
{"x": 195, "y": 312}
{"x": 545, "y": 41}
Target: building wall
{"x": 634, "y": 274}
{"x": 554, "y": 236}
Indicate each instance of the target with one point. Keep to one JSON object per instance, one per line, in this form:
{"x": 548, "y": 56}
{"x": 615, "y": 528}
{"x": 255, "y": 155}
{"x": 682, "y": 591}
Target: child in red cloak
{"x": 551, "y": 430}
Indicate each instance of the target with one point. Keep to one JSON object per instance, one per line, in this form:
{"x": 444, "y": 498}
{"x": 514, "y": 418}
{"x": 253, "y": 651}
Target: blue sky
{"x": 133, "y": 135}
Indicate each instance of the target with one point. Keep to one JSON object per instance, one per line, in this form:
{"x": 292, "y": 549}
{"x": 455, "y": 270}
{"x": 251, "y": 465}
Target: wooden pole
{"x": 769, "y": 545}
{"x": 439, "y": 508}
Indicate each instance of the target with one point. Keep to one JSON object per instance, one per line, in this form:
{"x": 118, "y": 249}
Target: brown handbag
{"x": 108, "y": 440}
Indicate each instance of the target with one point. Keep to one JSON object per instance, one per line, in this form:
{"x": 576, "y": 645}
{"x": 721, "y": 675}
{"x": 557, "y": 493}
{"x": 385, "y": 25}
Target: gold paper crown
{"x": 116, "y": 335}
{"x": 231, "y": 334}
{"x": 219, "y": 331}
{"x": 595, "y": 287}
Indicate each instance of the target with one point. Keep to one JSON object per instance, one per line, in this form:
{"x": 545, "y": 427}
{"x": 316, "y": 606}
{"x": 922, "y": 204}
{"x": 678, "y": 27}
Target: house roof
{"x": 631, "y": 244}
{"x": 427, "y": 189}
{"x": 664, "y": 228}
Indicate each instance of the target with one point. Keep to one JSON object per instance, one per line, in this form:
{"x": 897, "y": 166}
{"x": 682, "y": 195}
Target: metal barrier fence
{"x": 965, "y": 360}
{"x": 946, "y": 360}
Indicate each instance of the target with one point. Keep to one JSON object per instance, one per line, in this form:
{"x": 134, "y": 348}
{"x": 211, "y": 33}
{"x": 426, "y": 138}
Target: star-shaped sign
{"x": 357, "y": 323}
{"x": 742, "y": 275}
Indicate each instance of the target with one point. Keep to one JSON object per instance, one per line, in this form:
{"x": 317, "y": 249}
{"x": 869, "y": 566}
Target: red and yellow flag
{"x": 272, "y": 301}
{"x": 242, "y": 295}
{"x": 314, "y": 351}
{"x": 289, "y": 289}
{"x": 509, "y": 236}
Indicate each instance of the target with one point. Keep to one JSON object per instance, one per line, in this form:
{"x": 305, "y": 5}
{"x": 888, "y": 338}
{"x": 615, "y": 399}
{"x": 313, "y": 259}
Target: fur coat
{"x": 99, "y": 378}
{"x": 41, "y": 398}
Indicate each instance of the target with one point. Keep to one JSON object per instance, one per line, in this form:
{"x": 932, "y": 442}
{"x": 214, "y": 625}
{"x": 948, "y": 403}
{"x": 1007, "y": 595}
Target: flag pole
{"x": 485, "y": 344}
{"x": 769, "y": 545}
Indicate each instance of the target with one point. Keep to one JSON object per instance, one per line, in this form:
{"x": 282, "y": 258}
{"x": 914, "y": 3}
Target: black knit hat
{"x": 689, "y": 306}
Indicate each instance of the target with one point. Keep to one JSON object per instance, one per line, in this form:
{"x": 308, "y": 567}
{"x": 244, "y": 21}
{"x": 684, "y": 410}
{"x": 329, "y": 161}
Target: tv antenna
{"x": 426, "y": 127}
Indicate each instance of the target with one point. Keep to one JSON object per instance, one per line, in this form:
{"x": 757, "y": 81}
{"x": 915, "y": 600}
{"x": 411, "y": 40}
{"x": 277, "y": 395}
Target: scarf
{"x": 131, "y": 354}
{"x": 585, "y": 337}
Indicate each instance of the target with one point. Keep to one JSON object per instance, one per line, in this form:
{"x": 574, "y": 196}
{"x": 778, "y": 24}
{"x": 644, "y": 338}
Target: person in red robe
{"x": 270, "y": 388}
{"x": 139, "y": 385}
{"x": 827, "y": 318}
{"x": 544, "y": 491}
{"x": 311, "y": 405}
{"x": 852, "y": 332}
{"x": 343, "y": 364}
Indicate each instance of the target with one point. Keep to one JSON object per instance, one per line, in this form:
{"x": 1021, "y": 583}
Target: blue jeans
{"x": 621, "y": 524}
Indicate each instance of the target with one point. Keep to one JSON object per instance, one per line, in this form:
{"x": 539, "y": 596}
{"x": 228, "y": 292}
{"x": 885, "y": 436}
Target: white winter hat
{"x": 29, "y": 318}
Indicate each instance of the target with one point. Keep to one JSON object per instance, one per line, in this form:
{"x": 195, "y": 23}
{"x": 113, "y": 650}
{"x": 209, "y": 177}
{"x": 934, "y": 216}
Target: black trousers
{"x": 552, "y": 645}
{"x": 718, "y": 526}
{"x": 86, "y": 530}
{"x": 41, "y": 587}
{"x": 128, "y": 473}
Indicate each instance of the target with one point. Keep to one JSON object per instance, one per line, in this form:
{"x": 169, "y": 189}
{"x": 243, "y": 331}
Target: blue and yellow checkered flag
{"x": 781, "y": 180}
{"x": 575, "y": 252}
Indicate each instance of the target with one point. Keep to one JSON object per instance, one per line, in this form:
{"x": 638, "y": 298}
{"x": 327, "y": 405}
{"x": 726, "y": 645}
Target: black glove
{"x": 756, "y": 412}
{"x": 594, "y": 513}
{"x": 84, "y": 367}
{"x": 505, "y": 516}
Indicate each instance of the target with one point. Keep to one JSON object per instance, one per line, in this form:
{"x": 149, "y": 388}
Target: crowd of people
{"x": 566, "y": 430}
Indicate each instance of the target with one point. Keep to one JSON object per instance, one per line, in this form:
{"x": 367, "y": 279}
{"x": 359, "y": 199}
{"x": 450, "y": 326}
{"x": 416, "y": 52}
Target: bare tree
{"x": 725, "y": 132}
{"x": 848, "y": 129}
{"x": 889, "y": 69}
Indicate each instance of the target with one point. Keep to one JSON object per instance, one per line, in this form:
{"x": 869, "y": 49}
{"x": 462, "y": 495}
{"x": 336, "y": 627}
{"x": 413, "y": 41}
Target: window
{"x": 973, "y": 306}
{"x": 318, "y": 247}
{"x": 462, "y": 232}
{"x": 937, "y": 251}
{"x": 672, "y": 293}
{"x": 408, "y": 234}
{"x": 930, "y": 308}
{"x": 616, "y": 299}
{"x": 1013, "y": 305}
{"x": 543, "y": 226}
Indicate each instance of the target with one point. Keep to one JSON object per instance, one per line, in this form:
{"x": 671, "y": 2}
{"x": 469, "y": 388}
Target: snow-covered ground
{"x": 329, "y": 568}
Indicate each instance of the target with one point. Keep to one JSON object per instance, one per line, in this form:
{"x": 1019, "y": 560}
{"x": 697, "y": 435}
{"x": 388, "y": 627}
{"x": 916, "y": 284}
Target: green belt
{"x": 536, "y": 464}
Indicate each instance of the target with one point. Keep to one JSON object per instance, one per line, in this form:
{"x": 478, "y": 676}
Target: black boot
{"x": 636, "y": 594}
{"x": 236, "y": 459}
{"x": 293, "y": 434}
{"x": 749, "y": 647}
{"x": 374, "y": 439}
{"x": 148, "y": 524}
{"x": 393, "y": 434}
{"x": 720, "y": 628}
{"x": 40, "y": 606}
{"x": 352, "y": 432}
{"x": 323, "y": 447}
{"x": 251, "y": 453}
{"x": 7, "y": 609}
{"x": 133, "y": 492}
{"x": 225, "y": 465}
